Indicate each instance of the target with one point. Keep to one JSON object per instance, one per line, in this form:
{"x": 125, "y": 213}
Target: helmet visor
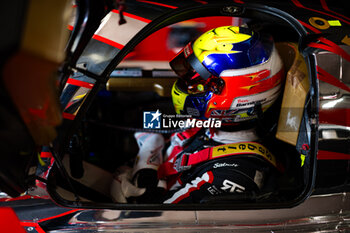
{"x": 181, "y": 66}
{"x": 191, "y": 71}
{"x": 186, "y": 64}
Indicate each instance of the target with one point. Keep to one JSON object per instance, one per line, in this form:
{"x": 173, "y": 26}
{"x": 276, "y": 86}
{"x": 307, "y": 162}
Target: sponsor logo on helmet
{"x": 188, "y": 50}
{"x": 245, "y": 102}
{"x": 264, "y": 98}
{"x": 223, "y": 113}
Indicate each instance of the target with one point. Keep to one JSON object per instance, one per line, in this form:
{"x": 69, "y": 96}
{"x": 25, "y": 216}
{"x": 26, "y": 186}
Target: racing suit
{"x": 199, "y": 165}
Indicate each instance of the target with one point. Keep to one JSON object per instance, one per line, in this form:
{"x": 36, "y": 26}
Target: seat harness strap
{"x": 185, "y": 160}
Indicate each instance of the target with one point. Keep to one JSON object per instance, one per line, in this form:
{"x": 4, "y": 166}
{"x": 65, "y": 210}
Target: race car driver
{"x": 229, "y": 73}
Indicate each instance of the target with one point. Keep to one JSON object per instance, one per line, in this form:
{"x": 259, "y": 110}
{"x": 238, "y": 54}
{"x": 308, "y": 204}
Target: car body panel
{"x": 318, "y": 213}
{"x": 107, "y": 48}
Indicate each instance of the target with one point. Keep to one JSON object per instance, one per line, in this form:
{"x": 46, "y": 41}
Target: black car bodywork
{"x": 90, "y": 63}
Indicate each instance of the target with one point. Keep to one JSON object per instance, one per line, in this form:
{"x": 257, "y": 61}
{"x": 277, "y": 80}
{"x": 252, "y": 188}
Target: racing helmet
{"x": 225, "y": 73}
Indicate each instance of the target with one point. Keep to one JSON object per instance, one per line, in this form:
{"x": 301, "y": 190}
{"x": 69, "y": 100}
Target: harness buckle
{"x": 181, "y": 161}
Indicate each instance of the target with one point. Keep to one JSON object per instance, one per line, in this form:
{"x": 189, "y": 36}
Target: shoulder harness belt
{"x": 185, "y": 161}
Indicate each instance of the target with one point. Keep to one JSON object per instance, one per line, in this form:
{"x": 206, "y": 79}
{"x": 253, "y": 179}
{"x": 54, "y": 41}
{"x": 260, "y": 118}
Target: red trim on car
{"x": 108, "y": 41}
{"x": 330, "y": 155}
{"x": 9, "y": 221}
{"x": 328, "y": 78}
{"x": 298, "y": 4}
{"x": 309, "y": 27}
{"x": 68, "y": 116}
{"x": 203, "y": 2}
{"x": 103, "y": 40}
{"x": 158, "y": 4}
{"x": 25, "y": 197}
{"x": 331, "y": 47}
{"x": 337, "y": 116}
{"x": 59, "y": 215}
{"x": 336, "y": 48}
{"x": 80, "y": 83}
{"x": 197, "y": 187}
{"x": 111, "y": 42}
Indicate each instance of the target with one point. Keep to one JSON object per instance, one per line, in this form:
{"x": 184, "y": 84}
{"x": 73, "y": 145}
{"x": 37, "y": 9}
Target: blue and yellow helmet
{"x": 225, "y": 72}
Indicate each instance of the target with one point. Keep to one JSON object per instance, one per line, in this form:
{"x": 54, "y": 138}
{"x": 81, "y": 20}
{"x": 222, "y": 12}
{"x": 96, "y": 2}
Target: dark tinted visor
{"x": 191, "y": 71}
{"x": 181, "y": 66}
{"x": 186, "y": 64}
